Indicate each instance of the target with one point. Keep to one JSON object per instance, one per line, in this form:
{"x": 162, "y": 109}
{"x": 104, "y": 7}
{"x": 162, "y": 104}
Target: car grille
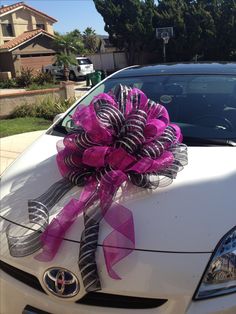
{"x": 22, "y": 276}
{"x": 120, "y": 301}
{"x": 92, "y": 298}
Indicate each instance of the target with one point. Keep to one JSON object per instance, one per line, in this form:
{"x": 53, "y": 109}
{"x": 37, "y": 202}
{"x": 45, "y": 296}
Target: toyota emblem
{"x": 61, "y": 282}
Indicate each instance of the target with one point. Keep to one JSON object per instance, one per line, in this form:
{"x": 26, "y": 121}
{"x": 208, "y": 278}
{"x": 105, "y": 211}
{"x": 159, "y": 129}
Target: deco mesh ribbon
{"x": 121, "y": 136}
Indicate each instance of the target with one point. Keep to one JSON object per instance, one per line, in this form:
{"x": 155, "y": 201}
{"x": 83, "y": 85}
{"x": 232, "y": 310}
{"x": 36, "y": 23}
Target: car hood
{"x": 190, "y": 215}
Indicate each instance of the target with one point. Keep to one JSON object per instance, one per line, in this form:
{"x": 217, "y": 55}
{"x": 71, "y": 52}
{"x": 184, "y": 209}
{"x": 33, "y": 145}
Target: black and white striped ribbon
{"x": 39, "y": 208}
{"x": 88, "y": 247}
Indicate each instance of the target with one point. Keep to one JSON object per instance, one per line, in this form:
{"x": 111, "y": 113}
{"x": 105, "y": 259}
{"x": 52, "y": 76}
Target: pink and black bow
{"x": 121, "y": 136}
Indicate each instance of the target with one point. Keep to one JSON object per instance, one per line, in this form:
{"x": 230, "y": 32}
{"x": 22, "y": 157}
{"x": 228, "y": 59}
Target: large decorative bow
{"x": 121, "y": 136}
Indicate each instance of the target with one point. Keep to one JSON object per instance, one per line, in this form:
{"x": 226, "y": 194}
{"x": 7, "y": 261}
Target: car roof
{"x": 178, "y": 68}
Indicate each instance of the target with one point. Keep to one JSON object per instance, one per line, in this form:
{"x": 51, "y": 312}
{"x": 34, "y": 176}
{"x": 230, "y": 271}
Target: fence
{"x": 109, "y": 61}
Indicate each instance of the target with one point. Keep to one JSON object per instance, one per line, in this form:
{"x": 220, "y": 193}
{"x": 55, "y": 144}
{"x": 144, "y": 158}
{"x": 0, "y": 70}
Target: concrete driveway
{"x": 81, "y": 88}
{"x": 12, "y": 146}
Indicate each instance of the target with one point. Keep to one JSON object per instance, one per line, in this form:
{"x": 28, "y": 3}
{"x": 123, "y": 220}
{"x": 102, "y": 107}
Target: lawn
{"x": 20, "y": 125}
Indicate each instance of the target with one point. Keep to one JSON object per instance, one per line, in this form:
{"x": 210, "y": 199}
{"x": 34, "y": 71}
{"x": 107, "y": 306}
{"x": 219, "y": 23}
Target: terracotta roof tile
{"x": 11, "y": 7}
{"x": 22, "y": 38}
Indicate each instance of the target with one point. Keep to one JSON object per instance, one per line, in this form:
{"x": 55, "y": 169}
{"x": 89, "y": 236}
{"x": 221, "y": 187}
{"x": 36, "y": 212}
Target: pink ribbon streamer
{"x": 53, "y": 235}
{"x": 118, "y": 244}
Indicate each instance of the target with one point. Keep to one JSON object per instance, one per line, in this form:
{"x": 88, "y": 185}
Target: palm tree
{"x": 69, "y": 43}
{"x": 67, "y": 46}
{"x": 65, "y": 60}
{"x": 91, "y": 40}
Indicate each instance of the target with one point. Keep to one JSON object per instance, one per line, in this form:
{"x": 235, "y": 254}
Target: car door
{"x": 57, "y": 70}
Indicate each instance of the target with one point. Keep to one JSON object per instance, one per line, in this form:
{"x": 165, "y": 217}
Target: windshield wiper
{"x": 209, "y": 141}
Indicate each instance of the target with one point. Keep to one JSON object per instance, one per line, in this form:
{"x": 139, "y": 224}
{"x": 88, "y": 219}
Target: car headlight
{"x": 220, "y": 275}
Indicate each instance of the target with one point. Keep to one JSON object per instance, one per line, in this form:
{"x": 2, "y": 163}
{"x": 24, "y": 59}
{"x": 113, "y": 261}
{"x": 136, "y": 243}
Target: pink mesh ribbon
{"x": 121, "y": 136}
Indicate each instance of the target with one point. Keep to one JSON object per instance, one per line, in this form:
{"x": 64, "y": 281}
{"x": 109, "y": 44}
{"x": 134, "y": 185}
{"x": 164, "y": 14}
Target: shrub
{"x": 23, "y": 111}
{"x": 35, "y": 86}
{"x": 48, "y": 108}
{"x": 10, "y": 83}
{"x": 26, "y": 78}
{"x": 42, "y": 78}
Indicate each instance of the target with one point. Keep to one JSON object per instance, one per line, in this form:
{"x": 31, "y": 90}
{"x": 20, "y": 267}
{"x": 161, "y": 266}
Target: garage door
{"x": 36, "y": 62}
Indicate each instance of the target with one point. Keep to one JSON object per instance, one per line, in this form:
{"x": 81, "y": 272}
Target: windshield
{"x": 204, "y": 106}
{"x": 84, "y": 61}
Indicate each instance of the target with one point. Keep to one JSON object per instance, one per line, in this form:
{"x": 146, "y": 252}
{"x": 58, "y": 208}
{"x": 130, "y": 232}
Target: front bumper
{"x": 26, "y": 297}
{"x": 85, "y": 72}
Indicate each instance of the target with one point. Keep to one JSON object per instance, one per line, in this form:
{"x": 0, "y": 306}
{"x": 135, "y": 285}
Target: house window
{"x": 40, "y": 26}
{"x": 7, "y": 30}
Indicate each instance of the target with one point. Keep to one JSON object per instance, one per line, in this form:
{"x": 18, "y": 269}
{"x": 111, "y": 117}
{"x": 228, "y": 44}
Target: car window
{"x": 212, "y": 85}
{"x": 85, "y": 102}
{"x": 203, "y": 105}
{"x": 84, "y": 61}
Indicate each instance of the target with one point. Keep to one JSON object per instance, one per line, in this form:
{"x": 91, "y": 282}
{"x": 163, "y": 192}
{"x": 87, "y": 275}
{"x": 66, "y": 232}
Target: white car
{"x": 80, "y": 70}
{"x": 184, "y": 259}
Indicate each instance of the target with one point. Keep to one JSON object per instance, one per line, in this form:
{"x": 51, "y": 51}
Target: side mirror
{"x": 58, "y": 117}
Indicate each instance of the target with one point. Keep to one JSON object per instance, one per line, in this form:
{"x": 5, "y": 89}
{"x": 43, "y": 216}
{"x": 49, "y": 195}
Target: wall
{"x": 6, "y": 62}
{"x": 39, "y": 44}
{"x": 5, "y": 76}
{"x": 40, "y": 52}
{"x": 143, "y": 58}
{"x": 5, "y": 20}
{"x": 24, "y": 20}
{"x": 36, "y": 62}
{"x": 110, "y": 61}
{"x": 42, "y": 46}
{"x": 10, "y": 101}
{"x": 1, "y": 35}
{"x": 120, "y": 60}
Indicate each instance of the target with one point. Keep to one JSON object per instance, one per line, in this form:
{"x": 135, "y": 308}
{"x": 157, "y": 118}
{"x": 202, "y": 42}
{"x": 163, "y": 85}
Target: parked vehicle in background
{"x": 184, "y": 261}
{"x": 83, "y": 67}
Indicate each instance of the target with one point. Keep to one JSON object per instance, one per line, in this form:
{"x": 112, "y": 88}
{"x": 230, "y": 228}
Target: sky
{"x": 71, "y": 14}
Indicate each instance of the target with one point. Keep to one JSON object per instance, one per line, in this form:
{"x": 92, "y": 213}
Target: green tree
{"x": 193, "y": 27}
{"x": 223, "y": 13}
{"x": 203, "y": 28}
{"x": 200, "y": 30}
{"x": 69, "y": 43}
{"x": 128, "y": 23}
{"x": 64, "y": 59}
{"x": 229, "y": 28}
{"x": 171, "y": 13}
{"x": 67, "y": 47}
{"x": 90, "y": 40}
